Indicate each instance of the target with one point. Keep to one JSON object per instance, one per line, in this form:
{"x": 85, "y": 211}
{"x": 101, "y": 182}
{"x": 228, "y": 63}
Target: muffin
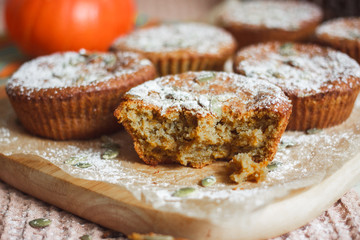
{"x": 177, "y": 48}
{"x": 322, "y": 83}
{"x": 73, "y": 95}
{"x": 338, "y": 8}
{"x": 195, "y": 118}
{"x": 342, "y": 34}
{"x": 261, "y": 21}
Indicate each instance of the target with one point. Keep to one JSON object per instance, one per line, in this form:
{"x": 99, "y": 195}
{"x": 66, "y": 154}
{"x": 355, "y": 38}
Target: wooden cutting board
{"x": 115, "y": 207}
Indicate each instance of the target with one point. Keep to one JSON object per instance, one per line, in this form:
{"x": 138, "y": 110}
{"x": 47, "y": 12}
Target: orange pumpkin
{"x": 41, "y": 27}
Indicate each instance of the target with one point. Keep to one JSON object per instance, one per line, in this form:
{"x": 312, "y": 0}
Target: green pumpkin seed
{"x": 184, "y": 192}
{"x": 287, "y": 49}
{"x": 82, "y": 165}
{"x": 157, "y": 237}
{"x": 40, "y": 222}
{"x": 108, "y": 143}
{"x": 277, "y": 75}
{"x": 85, "y": 237}
{"x": 74, "y": 160}
{"x": 79, "y": 80}
{"x": 56, "y": 75}
{"x": 204, "y": 77}
{"x": 273, "y": 165}
{"x": 313, "y": 131}
{"x": 110, "y": 61}
{"x": 355, "y": 35}
{"x": 287, "y": 144}
{"x": 208, "y": 181}
{"x": 110, "y": 154}
{"x": 216, "y": 106}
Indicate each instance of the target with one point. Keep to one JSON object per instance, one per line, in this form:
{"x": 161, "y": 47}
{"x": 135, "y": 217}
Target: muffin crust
{"x": 322, "y": 83}
{"x": 73, "y": 95}
{"x": 177, "y": 48}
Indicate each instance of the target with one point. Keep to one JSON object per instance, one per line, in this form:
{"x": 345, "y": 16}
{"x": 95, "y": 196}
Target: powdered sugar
{"x": 306, "y": 71}
{"x": 271, "y": 14}
{"x": 195, "y": 37}
{"x": 70, "y": 69}
{"x": 347, "y": 28}
{"x": 209, "y": 96}
{"x": 311, "y": 160}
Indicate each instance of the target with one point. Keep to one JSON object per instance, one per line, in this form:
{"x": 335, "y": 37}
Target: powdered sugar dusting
{"x": 271, "y": 14}
{"x": 209, "y": 96}
{"x": 61, "y": 70}
{"x": 346, "y": 28}
{"x": 313, "y": 158}
{"x": 303, "y": 70}
{"x": 195, "y": 37}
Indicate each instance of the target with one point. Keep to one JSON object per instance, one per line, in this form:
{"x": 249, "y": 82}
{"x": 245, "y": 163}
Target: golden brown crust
{"x": 189, "y": 55}
{"x": 73, "y": 112}
{"x": 323, "y": 98}
{"x": 342, "y": 34}
{"x": 247, "y": 33}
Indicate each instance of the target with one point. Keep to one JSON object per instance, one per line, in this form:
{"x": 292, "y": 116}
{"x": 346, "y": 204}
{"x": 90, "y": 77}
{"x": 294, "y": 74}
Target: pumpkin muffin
{"x": 261, "y": 21}
{"x": 342, "y": 34}
{"x": 177, "y": 48}
{"x": 322, "y": 83}
{"x": 196, "y": 118}
{"x": 72, "y": 95}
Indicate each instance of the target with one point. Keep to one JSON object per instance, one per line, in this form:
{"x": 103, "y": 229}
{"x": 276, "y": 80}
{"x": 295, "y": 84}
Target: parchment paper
{"x": 309, "y": 162}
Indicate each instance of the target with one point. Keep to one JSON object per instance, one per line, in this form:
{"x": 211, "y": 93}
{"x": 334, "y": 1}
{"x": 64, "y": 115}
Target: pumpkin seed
{"x": 277, "y": 75}
{"x": 216, "y": 106}
{"x": 355, "y": 35}
{"x": 55, "y": 75}
{"x": 287, "y": 144}
{"x": 184, "y": 192}
{"x": 85, "y": 237}
{"x": 82, "y": 165}
{"x": 287, "y": 49}
{"x": 204, "y": 77}
{"x": 79, "y": 80}
{"x": 208, "y": 181}
{"x": 74, "y": 160}
{"x": 110, "y": 61}
{"x": 273, "y": 165}
{"x": 40, "y": 222}
{"x": 313, "y": 131}
{"x": 110, "y": 154}
{"x": 108, "y": 143}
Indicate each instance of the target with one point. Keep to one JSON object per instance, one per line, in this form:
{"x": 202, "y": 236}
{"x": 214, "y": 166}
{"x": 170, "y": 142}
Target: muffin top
{"x": 341, "y": 28}
{"x": 75, "y": 69}
{"x": 286, "y": 15}
{"x": 300, "y": 69}
{"x": 190, "y": 37}
{"x": 209, "y": 92}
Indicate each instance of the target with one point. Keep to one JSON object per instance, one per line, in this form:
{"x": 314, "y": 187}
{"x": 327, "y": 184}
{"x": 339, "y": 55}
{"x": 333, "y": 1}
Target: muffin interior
{"x": 180, "y": 136}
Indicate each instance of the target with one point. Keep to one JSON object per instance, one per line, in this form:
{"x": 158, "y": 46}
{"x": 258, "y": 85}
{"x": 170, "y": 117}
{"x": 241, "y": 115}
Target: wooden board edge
{"x": 124, "y": 214}
{"x": 330, "y": 190}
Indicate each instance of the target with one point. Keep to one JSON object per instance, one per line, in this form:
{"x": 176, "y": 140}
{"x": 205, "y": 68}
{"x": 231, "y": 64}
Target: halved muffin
{"x": 322, "y": 83}
{"x": 72, "y": 95}
{"x": 196, "y": 118}
{"x": 181, "y": 47}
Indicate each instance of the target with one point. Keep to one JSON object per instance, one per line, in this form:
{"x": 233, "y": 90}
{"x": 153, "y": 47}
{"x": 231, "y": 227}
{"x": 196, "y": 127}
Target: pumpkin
{"x": 41, "y": 27}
